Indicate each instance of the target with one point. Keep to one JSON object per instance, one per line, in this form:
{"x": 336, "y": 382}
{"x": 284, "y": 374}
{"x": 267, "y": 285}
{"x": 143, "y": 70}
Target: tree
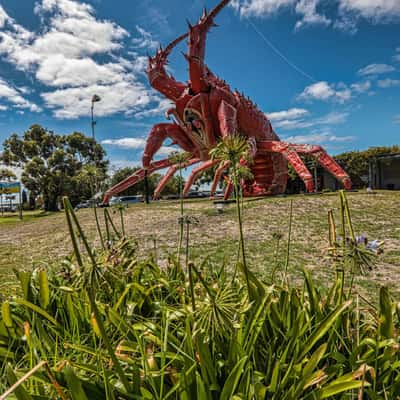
{"x": 356, "y": 163}
{"x": 7, "y": 175}
{"x": 52, "y": 163}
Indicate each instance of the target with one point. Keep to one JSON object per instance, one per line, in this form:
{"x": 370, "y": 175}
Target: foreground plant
{"x": 233, "y": 151}
{"x": 103, "y": 325}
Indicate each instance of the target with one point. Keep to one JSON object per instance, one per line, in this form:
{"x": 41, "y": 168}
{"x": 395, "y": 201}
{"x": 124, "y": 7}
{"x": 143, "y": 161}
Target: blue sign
{"x": 10, "y": 187}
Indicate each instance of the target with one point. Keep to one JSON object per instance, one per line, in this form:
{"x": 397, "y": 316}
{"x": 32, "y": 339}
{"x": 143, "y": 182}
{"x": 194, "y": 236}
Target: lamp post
{"x": 95, "y": 99}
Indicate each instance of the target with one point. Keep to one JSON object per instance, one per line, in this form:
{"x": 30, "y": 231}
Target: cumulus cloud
{"x": 349, "y": 12}
{"x": 308, "y": 10}
{"x": 261, "y": 8}
{"x": 161, "y": 106}
{"x": 66, "y": 53}
{"x": 376, "y": 69}
{"x": 145, "y": 41}
{"x": 326, "y": 92}
{"x": 14, "y": 97}
{"x": 377, "y": 11}
{"x": 298, "y": 118}
{"x": 126, "y": 143}
{"x": 396, "y": 57}
{"x": 388, "y": 83}
{"x": 292, "y": 113}
{"x": 118, "y": 97}
{"x": 129, "y": 143}
{"x": 318, "y": 138}
{"x": 361, "y": 87}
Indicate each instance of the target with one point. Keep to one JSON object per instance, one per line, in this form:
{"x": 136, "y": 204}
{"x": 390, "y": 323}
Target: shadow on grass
{"x": 27, "y": 216}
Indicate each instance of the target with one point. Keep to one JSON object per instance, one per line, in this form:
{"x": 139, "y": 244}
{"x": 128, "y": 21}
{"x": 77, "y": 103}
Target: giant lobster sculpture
{"x": 205, "y": 110}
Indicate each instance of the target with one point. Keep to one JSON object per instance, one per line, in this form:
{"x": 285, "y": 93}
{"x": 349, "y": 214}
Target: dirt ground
{"x": 29, "y": 243}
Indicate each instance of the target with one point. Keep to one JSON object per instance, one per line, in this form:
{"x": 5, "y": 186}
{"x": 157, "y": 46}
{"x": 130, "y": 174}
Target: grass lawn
{"x": 43, "y": 238}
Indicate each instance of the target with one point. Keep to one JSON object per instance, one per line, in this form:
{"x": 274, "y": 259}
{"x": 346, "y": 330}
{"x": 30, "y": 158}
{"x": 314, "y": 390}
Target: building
{"x": 384, "y": 171}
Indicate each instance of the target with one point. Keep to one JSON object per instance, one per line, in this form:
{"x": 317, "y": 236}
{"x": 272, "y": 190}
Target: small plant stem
{"x": 239, "y": 215}
{"x": 288, "y": 243}
{"x": 108, "y": 216}
{"x": 121, "y": 214}
{"x": 276, "y": 261}
{"x": 190, "y": 270}
{"x": 98, "y": 226}
{"x": 107, "y": 229}
{"x": 187, "y": 243}
{"x": 181, "y": 211}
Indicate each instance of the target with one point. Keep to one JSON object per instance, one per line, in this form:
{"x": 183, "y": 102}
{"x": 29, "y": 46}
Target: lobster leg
{"x": 228, "y": 190}
{"x": 217, "y": 177}
{"x": 138, "y": 176}
{"x": 292, "y": 157}
{"x": 157, "y": 136}
{"x": 197, "y": 48}
{"x": 325, "y": 161}
{"x": 195, "y": 173}
{"x": 170, "y": 173}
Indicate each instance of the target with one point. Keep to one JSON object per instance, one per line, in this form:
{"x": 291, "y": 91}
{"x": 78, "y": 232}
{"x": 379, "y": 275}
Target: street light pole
{"x": 95, "y": 99}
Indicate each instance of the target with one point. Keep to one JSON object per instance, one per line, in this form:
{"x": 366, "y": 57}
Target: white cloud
{"x": 388, "y": 83}
{"x": 74, "y": 102}
{"x": 145, "y": 41}
{"x": 126, "y": 143}
{"x": 136, "y": 144}
{"x": 377, "y": 11}
{"x": 326, "y": 92}
{"x": 396, "y": 119}
{"x": 349, "y": 11}
{"x": 262, "y": 8}
{"x": 296, "y": 118}
{"x": 318, "y": 138}
{"x": 62, "y": 71}
{"x": 13, "y": 95}
{"x": 162, "y": 106}
{"x": 396, "y": 57}
{"x": 310, "y": 16}
{"x": 3, "y": 17}
{"x": 361, "y": 87}
{"x": 376, "y": 69}
{"x": 3, "y": 107}
{"x": 63, "y": 56}
{"x": 293, "y": 113}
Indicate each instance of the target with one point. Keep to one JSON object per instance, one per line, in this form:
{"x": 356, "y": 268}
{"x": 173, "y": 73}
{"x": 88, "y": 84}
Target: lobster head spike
{"x": 161, "y": 56}
{"x": 207, "y": 19}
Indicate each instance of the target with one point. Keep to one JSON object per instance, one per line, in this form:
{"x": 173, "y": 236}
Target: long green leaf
{"x": 233, "y": 379}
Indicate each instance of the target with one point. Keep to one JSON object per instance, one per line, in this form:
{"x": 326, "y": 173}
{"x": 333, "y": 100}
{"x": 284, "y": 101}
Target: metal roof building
{"x": 384, "y": 171}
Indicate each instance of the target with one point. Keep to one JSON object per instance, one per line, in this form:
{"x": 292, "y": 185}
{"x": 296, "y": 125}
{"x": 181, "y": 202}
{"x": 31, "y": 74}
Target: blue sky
{"x": 325, "y": 72}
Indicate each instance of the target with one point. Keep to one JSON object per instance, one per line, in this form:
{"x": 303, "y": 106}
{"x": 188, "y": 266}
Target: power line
{"x": 280, "y": 54}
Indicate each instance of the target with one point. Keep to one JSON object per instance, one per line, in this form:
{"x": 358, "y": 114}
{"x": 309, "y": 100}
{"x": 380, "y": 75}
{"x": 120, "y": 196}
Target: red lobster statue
{"x": 206, "y": 110}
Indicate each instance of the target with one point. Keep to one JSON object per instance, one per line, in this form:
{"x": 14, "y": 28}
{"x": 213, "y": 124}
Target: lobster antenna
{"x": 175, "y": 42}
{"x": 218, "y": 8}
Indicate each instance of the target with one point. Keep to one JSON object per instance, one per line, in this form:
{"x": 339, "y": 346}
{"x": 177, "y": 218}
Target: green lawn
{"x": 43, "y": 238}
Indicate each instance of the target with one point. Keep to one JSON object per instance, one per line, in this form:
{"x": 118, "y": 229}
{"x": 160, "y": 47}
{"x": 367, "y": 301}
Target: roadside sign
{"x": 9, "y": 187}
{"x": 8, "y": 190}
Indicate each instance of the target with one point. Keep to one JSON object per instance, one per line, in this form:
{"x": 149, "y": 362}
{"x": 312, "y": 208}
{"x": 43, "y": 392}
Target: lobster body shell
{"x": 206, "y": 110}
